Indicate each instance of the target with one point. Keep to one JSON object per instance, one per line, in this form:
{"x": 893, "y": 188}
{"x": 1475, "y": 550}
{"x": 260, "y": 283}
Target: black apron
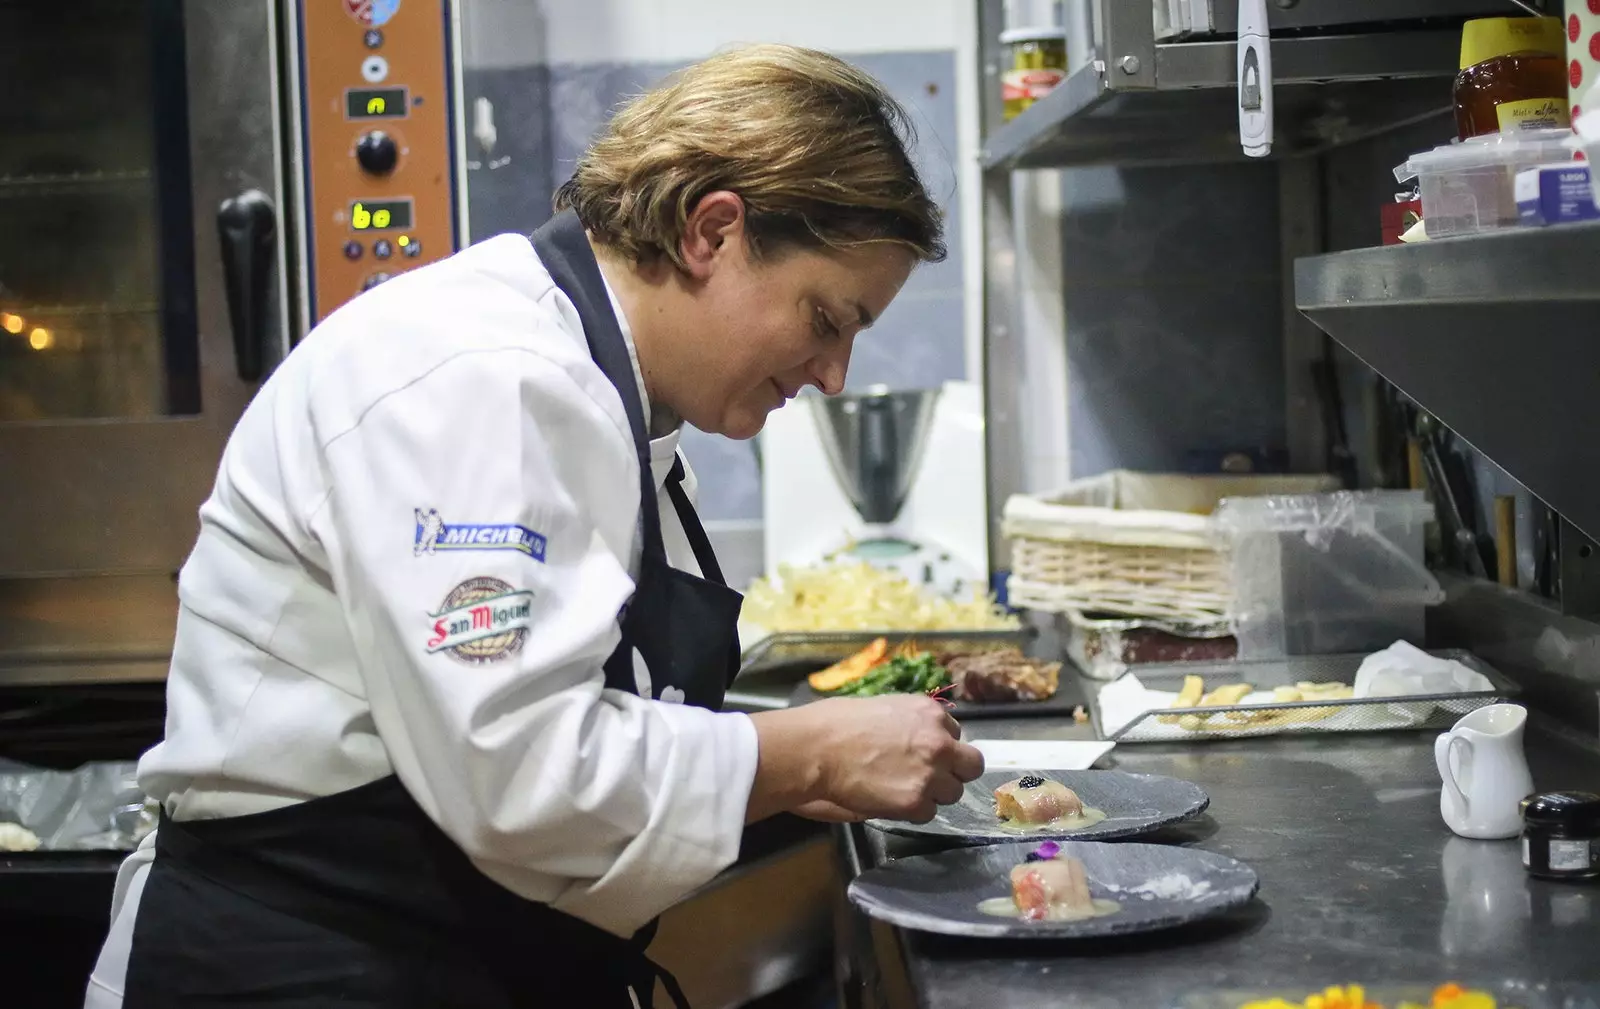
{"x": 358, "y": 899}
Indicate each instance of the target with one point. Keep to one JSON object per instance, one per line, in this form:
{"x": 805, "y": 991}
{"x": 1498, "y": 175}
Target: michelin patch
{"x": 482, "y": 620}
{"x": 435, "y": 534}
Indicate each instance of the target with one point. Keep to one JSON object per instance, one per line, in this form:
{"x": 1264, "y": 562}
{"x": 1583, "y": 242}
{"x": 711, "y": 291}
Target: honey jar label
{"x": 1029, "y": 85}
{"x": 1533, "y": 114}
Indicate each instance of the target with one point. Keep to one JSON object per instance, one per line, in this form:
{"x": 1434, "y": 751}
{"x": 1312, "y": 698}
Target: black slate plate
{"x": 940, "y": 892}
{"x": 1059, "y": 704}
{"x": 1133, "y": 804}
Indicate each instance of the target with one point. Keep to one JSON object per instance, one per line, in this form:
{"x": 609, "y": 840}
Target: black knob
{"x": 376, "y": 152}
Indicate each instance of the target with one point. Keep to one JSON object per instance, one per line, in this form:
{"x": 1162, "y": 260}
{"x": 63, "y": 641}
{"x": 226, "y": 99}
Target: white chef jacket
{"x": 446, "y": 429}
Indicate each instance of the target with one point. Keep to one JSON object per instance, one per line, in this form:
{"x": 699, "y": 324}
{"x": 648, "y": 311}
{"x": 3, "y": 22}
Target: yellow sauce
{"x": 1088, "y": 818}
{"x": 1005, "y": 907}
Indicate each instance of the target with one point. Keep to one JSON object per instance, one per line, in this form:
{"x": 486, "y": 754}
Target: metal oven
{"x": 185, "y": 187}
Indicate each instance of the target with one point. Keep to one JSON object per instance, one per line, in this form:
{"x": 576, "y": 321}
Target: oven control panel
{"x": 378, "y": 173}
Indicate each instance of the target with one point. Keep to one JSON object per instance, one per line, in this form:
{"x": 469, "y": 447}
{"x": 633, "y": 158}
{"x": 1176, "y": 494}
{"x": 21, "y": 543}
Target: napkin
{"x": 1404, "y": 669}
{"x": 1041, "y": 754}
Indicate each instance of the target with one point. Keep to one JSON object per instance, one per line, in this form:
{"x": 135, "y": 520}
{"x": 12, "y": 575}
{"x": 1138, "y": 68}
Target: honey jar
{"x": 1513, "y": 76}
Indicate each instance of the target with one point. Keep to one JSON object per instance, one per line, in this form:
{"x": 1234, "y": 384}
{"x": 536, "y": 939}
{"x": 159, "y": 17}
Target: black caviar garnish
{"x": 1030, "y": 781}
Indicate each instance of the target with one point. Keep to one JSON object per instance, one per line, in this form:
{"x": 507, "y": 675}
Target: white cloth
{"x": 325, "y": 636}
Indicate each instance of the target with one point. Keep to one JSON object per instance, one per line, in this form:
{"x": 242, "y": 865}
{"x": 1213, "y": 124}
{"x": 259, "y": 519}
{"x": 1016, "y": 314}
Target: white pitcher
{"x": 1485, "y": 773}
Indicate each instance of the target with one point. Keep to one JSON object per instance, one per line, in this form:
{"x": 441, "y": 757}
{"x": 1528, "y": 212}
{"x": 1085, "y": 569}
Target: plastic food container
{"x": 1470, "y": 186}
{"x": 1324, "y": 573}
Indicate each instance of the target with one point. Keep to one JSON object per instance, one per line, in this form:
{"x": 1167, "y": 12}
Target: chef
{"x": 443, "y": 724}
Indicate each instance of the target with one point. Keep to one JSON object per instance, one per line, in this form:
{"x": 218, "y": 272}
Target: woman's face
{"x": 768, "y": 327}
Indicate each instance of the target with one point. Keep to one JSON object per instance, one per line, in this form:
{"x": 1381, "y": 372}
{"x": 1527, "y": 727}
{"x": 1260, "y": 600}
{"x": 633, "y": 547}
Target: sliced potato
{"x": 1188, "y": 697}
{"x": 850, "y": 669}
{"x": 1223, "y": 697}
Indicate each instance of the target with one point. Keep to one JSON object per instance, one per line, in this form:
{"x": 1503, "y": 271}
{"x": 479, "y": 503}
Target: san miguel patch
{"x": 482, "y": 620}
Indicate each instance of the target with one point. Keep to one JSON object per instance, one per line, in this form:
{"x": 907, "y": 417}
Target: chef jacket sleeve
{"x": 478, "y": 522}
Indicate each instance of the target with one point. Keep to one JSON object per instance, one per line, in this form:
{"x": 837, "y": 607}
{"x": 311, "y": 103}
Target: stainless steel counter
{"x": 1360, "y": 881}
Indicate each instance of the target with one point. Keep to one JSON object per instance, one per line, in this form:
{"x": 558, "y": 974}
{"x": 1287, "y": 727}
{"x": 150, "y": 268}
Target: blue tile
{"x": 1155, "y": 373}
{"x": 918, "y": 344}
{"x": 510, "y": 189}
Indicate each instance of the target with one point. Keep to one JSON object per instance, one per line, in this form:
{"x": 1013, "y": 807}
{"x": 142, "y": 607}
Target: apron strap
{"x": 563, "y": 248}
{"x": 693, "y": 529}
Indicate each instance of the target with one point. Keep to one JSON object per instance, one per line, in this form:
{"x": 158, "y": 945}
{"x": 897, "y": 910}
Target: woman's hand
{"x": 897, "y": 757}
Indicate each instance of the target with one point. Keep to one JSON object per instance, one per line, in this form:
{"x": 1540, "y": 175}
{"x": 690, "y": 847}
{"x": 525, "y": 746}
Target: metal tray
{"x": 1061, "y": 704}
{"x": 809, "y": 651}
{"x": 1363, "y": 714}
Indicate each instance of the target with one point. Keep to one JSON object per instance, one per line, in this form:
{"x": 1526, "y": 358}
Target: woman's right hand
{"x": 897, "y": 757}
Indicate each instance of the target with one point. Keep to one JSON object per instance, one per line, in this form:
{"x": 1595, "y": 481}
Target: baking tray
{"x": 780, "y": 664}
{"x": 1061, "y": 704}
{"x": 808, "y": 651}
{"x": 1355, "y": 714}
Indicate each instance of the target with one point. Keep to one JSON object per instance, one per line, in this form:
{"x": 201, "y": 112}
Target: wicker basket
{"x": 1135, "y": 544}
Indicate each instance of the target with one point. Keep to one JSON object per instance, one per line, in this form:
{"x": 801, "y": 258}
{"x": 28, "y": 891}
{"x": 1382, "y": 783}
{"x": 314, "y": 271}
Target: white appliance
{"x": 893, "y": 478}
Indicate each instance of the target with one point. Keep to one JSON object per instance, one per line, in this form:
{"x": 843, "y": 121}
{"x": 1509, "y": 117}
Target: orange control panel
{"x": 377, "y": 144}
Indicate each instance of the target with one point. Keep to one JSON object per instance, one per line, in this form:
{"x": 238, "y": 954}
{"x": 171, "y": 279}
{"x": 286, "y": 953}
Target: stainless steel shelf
{"x": 1328, "y": 91}
{"x": 1497, "y": 335}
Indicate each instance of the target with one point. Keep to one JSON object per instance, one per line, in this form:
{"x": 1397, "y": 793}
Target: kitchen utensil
{"x": 1505, "y": 546}
{"x": 1450, "y": 501}
{"x": 1255, "y": 79}
{"x": 1157, "y": 886}
{"x": 1484, "y": 771}
{"x": 1133, "y": 803}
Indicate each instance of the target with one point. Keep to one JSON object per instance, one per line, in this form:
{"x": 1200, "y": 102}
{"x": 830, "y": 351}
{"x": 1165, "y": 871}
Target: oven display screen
{"x": 375, "y": 103}
{"x": 376, "y": 215}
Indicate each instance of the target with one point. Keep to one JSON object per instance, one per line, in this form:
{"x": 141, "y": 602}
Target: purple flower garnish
{"x": 1045, "y": 852}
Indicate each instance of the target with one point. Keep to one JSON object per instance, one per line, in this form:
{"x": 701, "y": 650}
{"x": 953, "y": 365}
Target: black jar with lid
{"x": 1561, "y": 835}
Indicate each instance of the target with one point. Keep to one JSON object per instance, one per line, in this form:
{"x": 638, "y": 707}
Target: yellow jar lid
{"x": 1485, "y": 38}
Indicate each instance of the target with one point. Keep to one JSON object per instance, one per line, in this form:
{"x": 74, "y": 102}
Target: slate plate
{"x": 940, "y": 892}
{"x": 1059, "y": 704}
{"x": 1133, "y": 804}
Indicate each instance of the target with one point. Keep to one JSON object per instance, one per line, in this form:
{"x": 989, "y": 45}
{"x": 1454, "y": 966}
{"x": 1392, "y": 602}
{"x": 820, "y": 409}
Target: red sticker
{"x": 1575, "y": 74}
{"x": 1594, "y": 6}
{"x": 1594, "y": 46}
{"x": 1573, "y": 28}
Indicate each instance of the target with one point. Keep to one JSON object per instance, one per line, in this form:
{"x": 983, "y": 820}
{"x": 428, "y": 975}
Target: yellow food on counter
{"x": 1447, "y": 996}
{"x": 860, "y": 597}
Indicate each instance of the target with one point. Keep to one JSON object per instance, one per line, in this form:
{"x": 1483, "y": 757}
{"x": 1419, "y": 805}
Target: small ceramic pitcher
{"x": 1485, "y": 773}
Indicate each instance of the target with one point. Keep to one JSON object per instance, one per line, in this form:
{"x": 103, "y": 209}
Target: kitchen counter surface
{"x": 1360, "y": 882}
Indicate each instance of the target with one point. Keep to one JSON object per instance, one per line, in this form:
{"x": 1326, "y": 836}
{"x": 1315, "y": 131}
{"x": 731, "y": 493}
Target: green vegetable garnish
{"x": 902, "y": 674}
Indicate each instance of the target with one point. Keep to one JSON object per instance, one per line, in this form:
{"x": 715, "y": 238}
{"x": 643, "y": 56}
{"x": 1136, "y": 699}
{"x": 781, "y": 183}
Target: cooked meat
{"x": 1032, "y": 799}
{"x": 1047, "y": 888}
{"x": 1002, "y": 675}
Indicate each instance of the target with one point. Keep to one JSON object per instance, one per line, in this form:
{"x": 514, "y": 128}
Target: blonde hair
{"x": 816, "y": 149}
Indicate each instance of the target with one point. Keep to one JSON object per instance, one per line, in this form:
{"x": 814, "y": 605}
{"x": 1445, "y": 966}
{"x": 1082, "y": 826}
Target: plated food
{"x": 1035, "y": 803}
{"x": 993, "y": 675}
{"x": 1114, "y": 804}
{"x": 1049, "y": 886}
{"x": 1354, "y": 996}
{"x": 1060, "y": 891}
{"x": 848, "y": 597}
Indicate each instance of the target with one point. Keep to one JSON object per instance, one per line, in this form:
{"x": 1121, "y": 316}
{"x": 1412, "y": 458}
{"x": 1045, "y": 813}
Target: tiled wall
{"x": 1173, "y": 318}
{"x": 545, "y": 115}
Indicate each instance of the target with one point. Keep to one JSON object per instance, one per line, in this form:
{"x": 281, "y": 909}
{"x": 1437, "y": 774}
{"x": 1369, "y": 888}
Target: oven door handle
{"x": 247, "y": 224}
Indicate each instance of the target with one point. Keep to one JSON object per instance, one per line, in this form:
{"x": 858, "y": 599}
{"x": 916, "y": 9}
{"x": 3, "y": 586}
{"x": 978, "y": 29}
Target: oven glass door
{"x": 139, "y": 183}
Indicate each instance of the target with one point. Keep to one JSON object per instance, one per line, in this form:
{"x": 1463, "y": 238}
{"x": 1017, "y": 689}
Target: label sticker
{"x": 482, "y": 620}
{"x": 373, "y": 13}
{"x": 434, "y": 534}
